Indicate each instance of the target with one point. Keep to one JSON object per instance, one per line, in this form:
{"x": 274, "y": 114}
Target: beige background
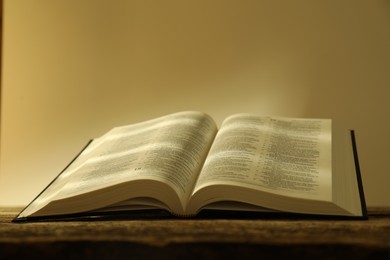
{"x": 74, "y": 69}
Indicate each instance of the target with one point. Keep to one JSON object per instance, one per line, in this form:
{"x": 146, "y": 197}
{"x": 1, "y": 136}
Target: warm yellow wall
{"x": 72, "y": 69}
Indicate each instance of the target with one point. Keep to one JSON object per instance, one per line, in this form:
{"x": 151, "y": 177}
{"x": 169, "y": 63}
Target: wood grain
{"x": 217, "y": 237}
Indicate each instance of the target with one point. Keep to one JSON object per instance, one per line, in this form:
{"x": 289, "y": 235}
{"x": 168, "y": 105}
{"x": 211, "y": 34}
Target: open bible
{"x": 183, "y": 164}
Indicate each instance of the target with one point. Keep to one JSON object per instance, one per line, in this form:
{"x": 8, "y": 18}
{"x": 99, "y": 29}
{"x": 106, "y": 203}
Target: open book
{"x": 183, "y": 163}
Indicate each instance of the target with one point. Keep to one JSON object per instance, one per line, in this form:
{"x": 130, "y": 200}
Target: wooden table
{"x": 207, "y": 237}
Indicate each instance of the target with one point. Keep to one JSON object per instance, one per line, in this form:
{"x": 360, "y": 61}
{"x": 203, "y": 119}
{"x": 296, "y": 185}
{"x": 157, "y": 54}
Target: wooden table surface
{"x": 210, "y": 238}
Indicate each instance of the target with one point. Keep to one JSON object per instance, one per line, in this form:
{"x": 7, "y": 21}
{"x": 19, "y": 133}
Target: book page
{"x": 169, "y": 149}
{"x": 284, "y": 156}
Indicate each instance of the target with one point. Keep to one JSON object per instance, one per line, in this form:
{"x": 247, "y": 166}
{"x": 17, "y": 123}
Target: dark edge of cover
{"x": 17, "y": 219}
{"x": 160, "y": 214}
{"x": 359, "y": 176}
